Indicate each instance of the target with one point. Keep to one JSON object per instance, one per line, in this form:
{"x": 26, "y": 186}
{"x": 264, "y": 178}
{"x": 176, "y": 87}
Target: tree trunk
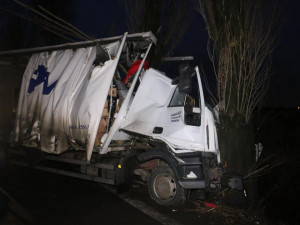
{"x": 236, "y": 143}
{"x": 236, "y": 140}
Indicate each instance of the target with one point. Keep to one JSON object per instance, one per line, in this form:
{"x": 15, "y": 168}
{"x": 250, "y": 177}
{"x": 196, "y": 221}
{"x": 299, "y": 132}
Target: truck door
{"x": 184, "y": 124}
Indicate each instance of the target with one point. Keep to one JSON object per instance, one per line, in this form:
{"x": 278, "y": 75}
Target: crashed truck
{"x": 76, "y": 117}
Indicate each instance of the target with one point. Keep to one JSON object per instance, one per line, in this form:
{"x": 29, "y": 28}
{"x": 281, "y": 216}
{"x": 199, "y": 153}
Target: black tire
{"x": 164, "y": 188}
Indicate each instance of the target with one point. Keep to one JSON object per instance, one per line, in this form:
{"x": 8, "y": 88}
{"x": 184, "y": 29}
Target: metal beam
{"x": 79, "y": 162}
{"x": 66, "y": 173}
{"x": 178, "y": 58}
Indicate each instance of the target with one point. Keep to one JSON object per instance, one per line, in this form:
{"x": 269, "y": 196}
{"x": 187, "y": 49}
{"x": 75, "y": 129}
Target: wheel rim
{"x": 164, "y": 187}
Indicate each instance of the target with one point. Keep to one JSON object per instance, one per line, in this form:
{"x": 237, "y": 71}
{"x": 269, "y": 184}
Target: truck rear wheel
{"x": 164, "y": 188}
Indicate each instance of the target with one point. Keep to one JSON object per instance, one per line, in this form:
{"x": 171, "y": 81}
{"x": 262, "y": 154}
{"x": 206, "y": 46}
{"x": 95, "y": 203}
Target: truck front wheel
{"x": 164, "y": 188}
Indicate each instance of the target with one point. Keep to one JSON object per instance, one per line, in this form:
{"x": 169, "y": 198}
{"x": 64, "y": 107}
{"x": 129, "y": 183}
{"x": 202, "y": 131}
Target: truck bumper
{"x": 193, "y": 184}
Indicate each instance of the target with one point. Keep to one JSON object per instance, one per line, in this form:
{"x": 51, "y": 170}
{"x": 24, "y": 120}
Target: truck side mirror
{"x": 185, "y": 78}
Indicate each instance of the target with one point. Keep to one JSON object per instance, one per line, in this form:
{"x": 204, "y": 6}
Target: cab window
{"x": 192, "y": 113}
{"x": 177, "y": 99}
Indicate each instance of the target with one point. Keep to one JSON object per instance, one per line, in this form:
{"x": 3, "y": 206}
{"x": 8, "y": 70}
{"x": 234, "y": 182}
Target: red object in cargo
{"x": 134, "y": 67}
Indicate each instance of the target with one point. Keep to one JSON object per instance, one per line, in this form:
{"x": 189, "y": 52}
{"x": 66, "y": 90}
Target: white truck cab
{"x": 164, "y": 112}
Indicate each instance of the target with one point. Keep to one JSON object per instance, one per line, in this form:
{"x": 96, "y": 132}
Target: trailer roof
{"x": 145, "y": 36}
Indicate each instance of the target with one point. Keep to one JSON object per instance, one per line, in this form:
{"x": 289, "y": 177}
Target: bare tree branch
{"x": 242, "y": 35}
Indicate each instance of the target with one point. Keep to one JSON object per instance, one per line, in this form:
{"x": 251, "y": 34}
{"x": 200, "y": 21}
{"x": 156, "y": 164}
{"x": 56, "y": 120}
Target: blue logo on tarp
{"x": 42, "y": 77}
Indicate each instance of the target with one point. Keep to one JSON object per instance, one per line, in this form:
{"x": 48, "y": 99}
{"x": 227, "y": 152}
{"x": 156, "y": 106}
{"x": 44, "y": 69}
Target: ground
{"x": 37, "y": 197}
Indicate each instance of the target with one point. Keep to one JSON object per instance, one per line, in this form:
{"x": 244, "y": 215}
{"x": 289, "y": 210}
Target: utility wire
{"x": 67, "y": 23}
{"x": 49, "y": 19}
{"x": 39, "y": 23}
{"x": 52, "y": 25}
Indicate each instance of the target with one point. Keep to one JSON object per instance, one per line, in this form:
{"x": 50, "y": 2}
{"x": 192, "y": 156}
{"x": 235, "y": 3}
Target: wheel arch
{"x": 162, "y": 155}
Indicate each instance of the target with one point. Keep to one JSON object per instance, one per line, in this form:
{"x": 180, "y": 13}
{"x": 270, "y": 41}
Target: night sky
{"x": 107, "y": 18}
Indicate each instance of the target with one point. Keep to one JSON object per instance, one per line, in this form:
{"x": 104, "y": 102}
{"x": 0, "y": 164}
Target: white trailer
{"x": 74, "y": 109}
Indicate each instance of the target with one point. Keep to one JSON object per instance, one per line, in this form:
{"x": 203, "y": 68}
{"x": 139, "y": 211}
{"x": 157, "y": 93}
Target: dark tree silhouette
{"x": 167, "y": 19}
{"x": 242, "y": 37}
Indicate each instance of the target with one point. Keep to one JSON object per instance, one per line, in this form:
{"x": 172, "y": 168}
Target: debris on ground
{"x": 210, "y": 205}
{"x": 213, "y": 210}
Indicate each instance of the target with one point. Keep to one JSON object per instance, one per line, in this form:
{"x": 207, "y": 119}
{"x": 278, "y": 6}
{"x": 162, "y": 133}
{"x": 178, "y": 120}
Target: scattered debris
{"x": 210, "y": 205}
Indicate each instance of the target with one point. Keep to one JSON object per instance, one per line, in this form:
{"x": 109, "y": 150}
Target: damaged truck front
{"x": 74, "y": 109}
